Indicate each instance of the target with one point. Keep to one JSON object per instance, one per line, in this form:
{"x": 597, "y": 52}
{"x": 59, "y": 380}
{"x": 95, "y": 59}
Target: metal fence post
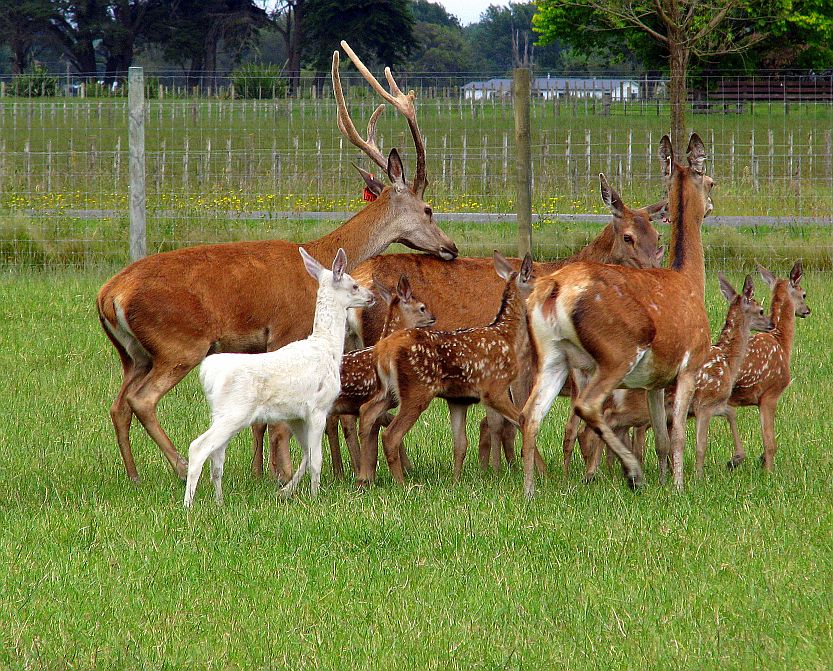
{"x": 521, "y": 91}
{"x": 136, "y": 142}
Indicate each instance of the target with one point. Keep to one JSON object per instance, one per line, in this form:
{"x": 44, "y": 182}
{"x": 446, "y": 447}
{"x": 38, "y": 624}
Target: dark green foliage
{"x": 35, "y": 83}
{"x": 258, "y": 81}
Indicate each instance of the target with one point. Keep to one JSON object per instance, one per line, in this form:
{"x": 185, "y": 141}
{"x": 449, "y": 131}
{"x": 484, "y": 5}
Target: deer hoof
{"x": 181, "y": 469}
{"x": 635, "y": 480}
{"x": 734, "y": 462}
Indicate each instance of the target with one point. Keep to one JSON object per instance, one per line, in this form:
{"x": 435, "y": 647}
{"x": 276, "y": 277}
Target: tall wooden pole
{"x": 136, "y": 142}
{"x": 521, "y": 91}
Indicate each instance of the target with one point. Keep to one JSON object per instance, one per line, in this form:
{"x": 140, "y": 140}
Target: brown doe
{"x": 465, "y": 366}
{"x": 358, "y": 371}
{"x": 630, "y": 239}
{"x": 630, "y": 327}
{"x": 765, "y": 373}
{"x": 165, "y": 313}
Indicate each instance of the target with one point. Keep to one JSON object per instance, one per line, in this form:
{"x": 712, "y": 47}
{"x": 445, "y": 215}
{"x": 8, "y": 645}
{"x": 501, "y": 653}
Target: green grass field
{"x": 734, "y": 573}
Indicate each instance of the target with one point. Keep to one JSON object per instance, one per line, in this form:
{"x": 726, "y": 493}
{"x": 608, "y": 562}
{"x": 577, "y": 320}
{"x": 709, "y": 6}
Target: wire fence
{"x": 220, "y": 167}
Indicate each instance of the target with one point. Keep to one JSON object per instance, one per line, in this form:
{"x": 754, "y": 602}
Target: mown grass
{"x": 735, "y": 573}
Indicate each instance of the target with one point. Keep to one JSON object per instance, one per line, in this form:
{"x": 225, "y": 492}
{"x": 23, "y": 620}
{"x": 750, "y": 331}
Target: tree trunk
{"x": 678, "y": 59}
{"x": 293, "y": 47}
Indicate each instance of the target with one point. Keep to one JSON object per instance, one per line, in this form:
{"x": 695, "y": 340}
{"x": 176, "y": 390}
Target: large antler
{"x": 401, "y": 101}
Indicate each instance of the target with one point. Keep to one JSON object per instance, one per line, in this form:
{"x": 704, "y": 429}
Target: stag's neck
{"x": 782, "y": 314}
{"x": 734, "y": 338}
{"x": 330, "y": 324}
{"x": 393, "y": 322}
{"x": 686, "y": 211}
{"x": 361, "y": 236}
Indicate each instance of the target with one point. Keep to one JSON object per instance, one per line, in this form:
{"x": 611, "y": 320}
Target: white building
{"x": 551, "y": 88}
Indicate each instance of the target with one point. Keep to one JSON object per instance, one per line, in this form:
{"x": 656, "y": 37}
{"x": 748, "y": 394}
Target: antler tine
{"x": 345, "y": 123}
{"x": 402, "y": 102}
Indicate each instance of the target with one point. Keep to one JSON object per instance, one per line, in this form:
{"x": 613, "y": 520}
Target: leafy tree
{"x": 124, "y": 23}
{"x": 22, "y": 24}
{"x": 440, "y": 49}
{"x": 425, "y": 11}
{"x": 76, "y": 26}
{"x": 288, "y": 19}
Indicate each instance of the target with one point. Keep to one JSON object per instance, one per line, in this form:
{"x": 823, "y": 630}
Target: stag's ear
{"x": 502, "y": 266}
{"x": 696, "y": 154}
{"x": 526, "y": 269}
{"x": 313, "y": 267}
{"x": 339, "y": 264}
{"x": 796, "y": 273}
{"x": 403, "y": 289}
{"x": 748, "y": 288}
{"x": 610, "y": 197}
{"x": 373, "y": 185}
{"x": 725, "y": 288}
{"x": 660, "y": 253}
{"x": 666, "y": 156}
{"x": 657, "y": 210}
{"x": 396, "y": 173}
{"x": 383, "y": 291}
{"x": 767, "y": 276}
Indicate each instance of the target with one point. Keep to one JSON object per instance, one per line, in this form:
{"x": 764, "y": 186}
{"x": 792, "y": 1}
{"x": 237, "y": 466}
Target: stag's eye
{"x": 429, "y": 212}
{"x": 628, "y": 238}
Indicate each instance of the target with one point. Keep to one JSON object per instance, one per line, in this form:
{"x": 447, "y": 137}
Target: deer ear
{"x": 666, "y": 156}
{"x": 313, "y": 267}
{"x": 767, "y": 276}
{"x": 660, "y": 253}
{"x": 610, "y": 197}
{"x": 374, "y": 185}
{"x": 657, "y": 210}
{"x": 382, "y": 290}
{"x": 396, "y": 173}
{"x": 403, "y": 289}
{"x": 748, "y": 288}
{"x": 725, "y": 288}
{"x": 339, "y": 264}
{"x": 797, "y": 273}
{"x": 526, "y": 269}
{"x": 502, "y": 266}
{"x": 696, "y": 154}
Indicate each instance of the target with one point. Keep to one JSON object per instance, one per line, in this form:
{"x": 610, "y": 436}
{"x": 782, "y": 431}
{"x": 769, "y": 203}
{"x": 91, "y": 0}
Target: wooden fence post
{"x": 521, "y": 90}
{"x": 136, "y": 141}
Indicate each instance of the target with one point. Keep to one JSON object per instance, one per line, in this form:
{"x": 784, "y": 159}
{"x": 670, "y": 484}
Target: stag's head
{"x": 635, "y": 240}
{"x": 695, "y": 182}
{"x": 411, "y": 218}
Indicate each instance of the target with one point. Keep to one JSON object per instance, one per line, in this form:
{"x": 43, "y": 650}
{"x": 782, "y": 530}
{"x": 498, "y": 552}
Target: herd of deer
{"x": 627, "y": 340}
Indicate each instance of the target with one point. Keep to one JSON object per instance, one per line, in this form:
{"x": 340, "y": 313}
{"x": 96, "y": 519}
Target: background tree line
{"x": 102, "y": 38}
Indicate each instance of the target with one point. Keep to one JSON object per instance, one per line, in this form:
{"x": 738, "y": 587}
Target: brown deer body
{"x": 463, "y": 367}
{"x": 765, "y": 374}
{"x": 631, "y": 328}
{"x": 629, "y": 240}
{"x": 167, "y": 312}
{"x": 358, "y": 371}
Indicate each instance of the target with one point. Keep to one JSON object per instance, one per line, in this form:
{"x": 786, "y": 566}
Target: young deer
{"x": 631, "y": 328}
{"x": 630, "y": 239}
{"x": 358, "y": 371}
{"x": 714, "y": 380}
{"x": 463, "y": 367}
{"x": 296, "y": 384}
{"x": 165, "y": 313}
{"x": 765, "y": 373}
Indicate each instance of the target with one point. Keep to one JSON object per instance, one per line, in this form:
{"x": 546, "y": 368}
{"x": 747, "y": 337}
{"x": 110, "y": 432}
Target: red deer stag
{"x": 465, "y": 366}
{"x": 358, "y": 371}
{"x": 629, "y": 239}
{"x": 165, "y": 313}
{"x": 632, "y": 328}
{"x": 714, "y": 380}
{"x": 765, "y": 374}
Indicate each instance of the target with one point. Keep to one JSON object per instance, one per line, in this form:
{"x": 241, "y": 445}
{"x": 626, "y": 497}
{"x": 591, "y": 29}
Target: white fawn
{"x": 358, "y": 371}
{"x": 463, "y": 367}
{"x": 296, "y": 384}
{"x": 765, "y": 373}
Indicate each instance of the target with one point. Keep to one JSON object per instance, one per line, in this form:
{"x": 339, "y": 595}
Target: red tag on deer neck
{"x": 368, "y": 195}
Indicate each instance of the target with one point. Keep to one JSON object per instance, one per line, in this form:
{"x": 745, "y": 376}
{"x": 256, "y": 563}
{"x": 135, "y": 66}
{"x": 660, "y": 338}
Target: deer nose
{"x": 449, "y": 252}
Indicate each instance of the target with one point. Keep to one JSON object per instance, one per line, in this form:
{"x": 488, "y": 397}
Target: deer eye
{"x": 355, "y": 287}
{"x": 628, "y": 238}
{"x": 762, "y": 312}
{"x": 428, "y": 211}
{"x": 804, "y": 295}
{"x": 422, "y": 308}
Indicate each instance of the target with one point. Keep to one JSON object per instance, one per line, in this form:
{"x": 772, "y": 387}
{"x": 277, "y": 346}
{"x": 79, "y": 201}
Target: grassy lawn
{"x": 735, "y": 573}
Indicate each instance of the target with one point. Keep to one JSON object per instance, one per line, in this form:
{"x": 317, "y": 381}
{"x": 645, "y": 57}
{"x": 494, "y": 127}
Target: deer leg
{"x": 638, "y": 443}
{"x": 215, "y": 438}
{"x": 495, "y": 424}
{"x": 702, "y": 419}
{"x": 335, "y": 447}
{"x": 280, "y": 463}
{"x": 143, "y": 399}
{"x": 550, "y": 379}
{"x": 659, "y": 422}
{"x": 457, "y": 412}
{"x": 218, "y": 460}
{"x": 767, "y": 408}
{"x": 740, "y": 454}
{"x": 507, "y": 439}
{"x": 299, "y": 430}
{"x": 409, "y": 412}
{"x": 369, "y": 417}
{"x": 502, "y": 404}
{"x": 484, "y": 444}
{"x": 258, "y": 432}
{"x": 686, "y": 383}
{"x": 122, "y": 414}
{"x": 570, "y": 435}
{"x": 595, "y": 447}
{"x": 351, "y": 437}
{"x": 313, "y": 433}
